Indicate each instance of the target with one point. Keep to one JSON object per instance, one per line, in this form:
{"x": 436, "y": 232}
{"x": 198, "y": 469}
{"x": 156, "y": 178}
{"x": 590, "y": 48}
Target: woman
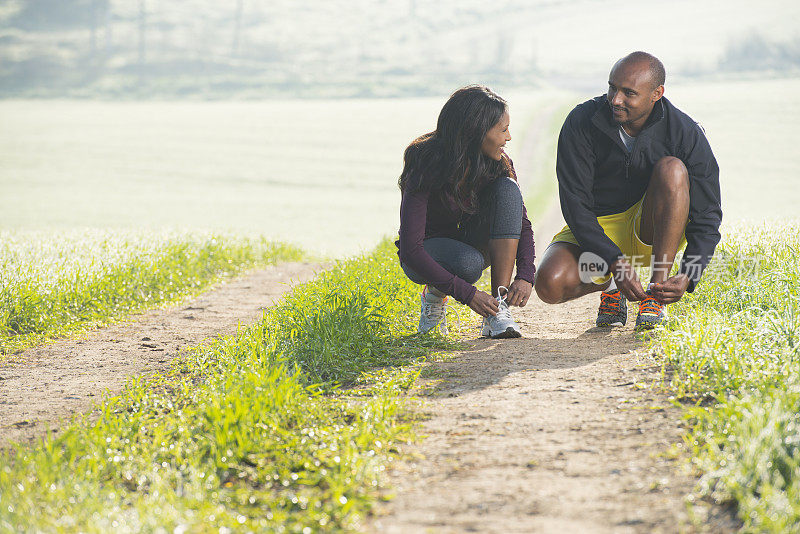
{"x": 462, "y": 211}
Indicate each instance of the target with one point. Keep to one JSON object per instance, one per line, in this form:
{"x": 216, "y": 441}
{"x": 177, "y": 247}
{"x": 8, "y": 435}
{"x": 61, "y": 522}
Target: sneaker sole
{"x": 605, "y": 323}
{"x": 509, "y": 333}
{"x": 441, "y": 332}
{"x": 646, "y": 325}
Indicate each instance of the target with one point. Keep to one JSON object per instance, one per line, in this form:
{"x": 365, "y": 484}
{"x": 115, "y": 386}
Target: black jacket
{"x": 596, "y": 176}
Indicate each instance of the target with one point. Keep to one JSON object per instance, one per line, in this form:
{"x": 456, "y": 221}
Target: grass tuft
{"x": 53, "y": 285}
{"x": 733, "y": 349}
{"x": 253, "y": 432}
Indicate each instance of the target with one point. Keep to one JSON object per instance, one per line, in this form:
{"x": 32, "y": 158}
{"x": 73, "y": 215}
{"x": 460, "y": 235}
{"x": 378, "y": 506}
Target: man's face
{"x": 631, "y": 93}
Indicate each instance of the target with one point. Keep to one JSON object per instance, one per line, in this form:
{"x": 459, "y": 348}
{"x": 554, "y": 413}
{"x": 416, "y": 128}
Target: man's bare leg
{"x": 665, "y": 212}
{"x": 558, "y": 279}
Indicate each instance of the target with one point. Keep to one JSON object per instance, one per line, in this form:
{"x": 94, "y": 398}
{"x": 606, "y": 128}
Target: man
{"x": 637, "y": 180}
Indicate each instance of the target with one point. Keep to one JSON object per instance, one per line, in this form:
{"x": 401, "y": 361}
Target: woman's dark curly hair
{"x": 450, "y": 157}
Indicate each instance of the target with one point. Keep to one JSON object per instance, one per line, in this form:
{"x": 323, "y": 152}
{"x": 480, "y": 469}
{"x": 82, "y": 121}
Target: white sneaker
{"x": 501, "y": 325}
{"x": 432, "y": 314}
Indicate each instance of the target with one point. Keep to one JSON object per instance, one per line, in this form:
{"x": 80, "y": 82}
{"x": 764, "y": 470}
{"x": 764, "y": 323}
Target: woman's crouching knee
{"x": 471, "y": 267}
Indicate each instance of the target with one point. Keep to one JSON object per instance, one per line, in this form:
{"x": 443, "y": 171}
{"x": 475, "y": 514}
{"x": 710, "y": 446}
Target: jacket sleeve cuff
{"x": 529, "y": 275}
{"x": 461, "y": 290}
{"x": 694, "y": 270}
{"x": 465, "y": 296}
{"x": 610, "y": 261}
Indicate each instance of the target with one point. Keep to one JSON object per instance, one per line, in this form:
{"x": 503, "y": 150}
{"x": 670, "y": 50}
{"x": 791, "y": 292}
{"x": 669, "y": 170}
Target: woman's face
{"x": 496, "y": 138}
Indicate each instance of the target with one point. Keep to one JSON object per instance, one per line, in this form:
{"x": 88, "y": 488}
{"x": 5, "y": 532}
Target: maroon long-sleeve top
{"x": 426, "y": 214}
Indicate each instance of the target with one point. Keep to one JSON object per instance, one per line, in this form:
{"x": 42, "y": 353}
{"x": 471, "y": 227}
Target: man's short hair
{"x": 657, "y": 73}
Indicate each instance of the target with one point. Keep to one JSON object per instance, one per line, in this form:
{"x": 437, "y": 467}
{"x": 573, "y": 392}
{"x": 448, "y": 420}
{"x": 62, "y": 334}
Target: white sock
{"x": 612, "y": 286}
{"x": 431, "y": 298}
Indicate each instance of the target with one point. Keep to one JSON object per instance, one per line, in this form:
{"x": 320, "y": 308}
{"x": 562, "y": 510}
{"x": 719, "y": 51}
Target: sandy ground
{"x": 562, "y": 431}
{"x": 559, "y": 431}
{"x": 52, "y": 382}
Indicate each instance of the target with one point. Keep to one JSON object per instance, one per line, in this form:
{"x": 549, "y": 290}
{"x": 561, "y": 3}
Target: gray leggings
{"x": 499, "y": 217}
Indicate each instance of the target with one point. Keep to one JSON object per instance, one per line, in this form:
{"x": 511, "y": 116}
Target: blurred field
{"x": 124, "y": 49}
{"x": 752, "y": 128}
{"x": 321, "y": 173}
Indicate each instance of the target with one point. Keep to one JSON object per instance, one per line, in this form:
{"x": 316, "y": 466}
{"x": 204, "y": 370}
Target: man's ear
{"x": 658, "y": 92}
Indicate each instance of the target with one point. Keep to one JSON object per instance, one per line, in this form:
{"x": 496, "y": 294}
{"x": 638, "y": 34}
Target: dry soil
{"x": 48, "y": 384}
{"x": 559, "y": 431}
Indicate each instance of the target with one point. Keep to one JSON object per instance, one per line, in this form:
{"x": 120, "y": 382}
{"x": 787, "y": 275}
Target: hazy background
{"x": 289, "y": 119}
{"x": 258, "y": 48}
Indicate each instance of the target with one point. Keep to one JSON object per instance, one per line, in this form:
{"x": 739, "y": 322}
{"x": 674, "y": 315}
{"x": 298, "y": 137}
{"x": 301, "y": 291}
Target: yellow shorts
{"x": 623, "y": 230}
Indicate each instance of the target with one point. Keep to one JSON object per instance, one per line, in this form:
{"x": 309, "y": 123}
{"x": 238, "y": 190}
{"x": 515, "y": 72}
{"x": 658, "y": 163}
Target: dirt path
{"x": 557, "y": 432}
{"x": 554, "y": 432}
{"x": 53, "y": 382}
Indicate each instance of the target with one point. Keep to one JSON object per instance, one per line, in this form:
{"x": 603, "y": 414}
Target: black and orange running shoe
{"x": 651, "y": 313}
{"x": 613, "y": 309}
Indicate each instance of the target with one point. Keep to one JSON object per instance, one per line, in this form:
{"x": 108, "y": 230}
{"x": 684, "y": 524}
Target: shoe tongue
{"x": 503, "y": 310}
{"x": 651, "y": 301}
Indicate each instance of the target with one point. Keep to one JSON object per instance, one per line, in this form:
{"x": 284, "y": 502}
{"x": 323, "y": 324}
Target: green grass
{"x": 286, "y": 426}
{"x": 733, "y": 349}
{"x": 55, "y": 284}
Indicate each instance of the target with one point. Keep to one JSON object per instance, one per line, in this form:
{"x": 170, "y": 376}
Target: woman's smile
{"x": 496, "y": 138}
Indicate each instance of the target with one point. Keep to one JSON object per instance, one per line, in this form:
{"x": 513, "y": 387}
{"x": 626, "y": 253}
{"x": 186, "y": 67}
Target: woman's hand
{"x": 484, "y": 304}
{"x": 519, "y": 293}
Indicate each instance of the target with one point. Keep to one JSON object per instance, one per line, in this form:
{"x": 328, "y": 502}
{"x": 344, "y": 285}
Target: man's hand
{"x": 484, "y": 304}
{"x": 519, "y": 292}
{"x": 627, "y": 280}
{"x": 670, "y": 290}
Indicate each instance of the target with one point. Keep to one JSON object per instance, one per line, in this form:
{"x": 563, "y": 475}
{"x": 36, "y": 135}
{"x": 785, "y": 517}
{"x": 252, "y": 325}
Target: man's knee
{"x": 671, "y": 175}
{"x": 551, "y": 284}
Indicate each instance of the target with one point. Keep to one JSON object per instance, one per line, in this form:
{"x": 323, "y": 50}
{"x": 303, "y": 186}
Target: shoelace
{"x": 503, "y": 312}
{"x": 435, "y": 311}
{"x": 650, "y": 305}
{"x": 610, "y": 302}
